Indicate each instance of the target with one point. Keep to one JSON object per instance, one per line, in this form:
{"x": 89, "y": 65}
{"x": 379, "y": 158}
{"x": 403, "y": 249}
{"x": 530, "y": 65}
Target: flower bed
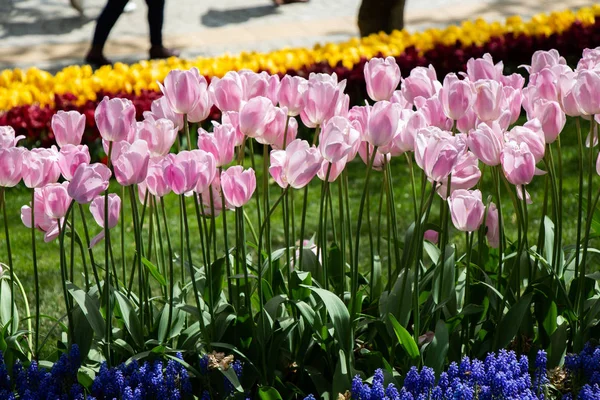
{"x": 30, "y": 98}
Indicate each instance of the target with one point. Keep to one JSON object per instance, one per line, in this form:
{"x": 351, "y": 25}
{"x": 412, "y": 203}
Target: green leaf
{"x": 337, "y": 311}
{"x": 132, "y": 322}
{"x": 154, "y": 271}
{"x": 406, "y": 340}
{"x": 511, "y": 322}
{"x": 300, "y": 281}
{"x": 436, "y": 352}
{"x": 336, "y": 268}
{"x": 444, "y": 279}
{"x": 311, "y": 264}
{"x": 341, "y": 376}
{"x": 558, "y": 345}
{"x": 217, "y": 270}
{"x": 550, "y": 319}
{"x": 376, "y": 279}
{"x": 232, "y": 377}
{"x": 89, "y": 307}
{"x": 268, "y": 393}
{"x": 6, "y": 303}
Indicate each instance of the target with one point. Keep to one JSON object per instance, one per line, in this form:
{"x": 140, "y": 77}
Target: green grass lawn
{"x": 48, "y": 253}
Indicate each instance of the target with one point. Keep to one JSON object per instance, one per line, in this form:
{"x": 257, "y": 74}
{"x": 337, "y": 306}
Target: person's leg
{"x": 156, "y": 16}
{"x": 379, "y": 15}
{"x": 107, "y": 19}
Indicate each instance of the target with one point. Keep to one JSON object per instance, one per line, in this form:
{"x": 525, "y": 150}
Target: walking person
{"x": 108, "y": 18}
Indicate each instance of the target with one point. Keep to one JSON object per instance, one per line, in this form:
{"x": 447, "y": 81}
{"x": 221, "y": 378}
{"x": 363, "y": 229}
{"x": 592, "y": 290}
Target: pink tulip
{"x": 184, "y": 90}
{"x": 56, "y": 199}
{"x": 214, "y": 194}
{"x": 398, "y": 98}
{"x": 11, "y": 166}
{"x": 238, "y": 185}
{"x": 320, "y": 100}
{"x": 130, "y": 162}
{"x": 40, "y": 167}
{"x": 227, "y": 92}
{"x": 551, "y": 116}
{"x": 433, "y": 111}
{"x": 207, "y": 171}
{"x": 274, "y": 129}
{"x": 69, "y": 158}
{"x": 233, "y": 118}
{"x": 115, "y": 119}
{"x": 437, "y": 152}
{"x": 382, "y": 77}
{"x": 220, "y": 142}
{"x": 159, "y": 134}
{"x": 586, "y": 89}
{"x": 98, "y": 212}
{"x": 518, "y": 163}
{"x": 382, "y": 123}
{"x": 182, "y": 171}
{"x": 365, "y": 151}
{"x": 532, "y": 134}
{"x": 155, "y": 180}
{"x": 296, "y": 165}
{"x": 514, "y": 81}
{"x": 487, "y": 142}
{"x": 513, "y": 100}
{"x": 589, "y": 60}
{"x": 287, "y": 137}
{"x": 401, "y": 142}
{"x": 7, "y": 137}
{"x": 467, "y": 122}
{"x": 466, "y": 209}
{"x": 338, "y": 139}
{"x": 160, "y": 109}
{"x": 202, "y": 109}
{"x": 359, "y": 116}
{"x": 567, "y": 97}
{"x": 489, "y": 100}
{"x": 415, "y": 121}
{"x": 544, "y": 59}
{"x": 493, "y": 226}
{"x": 431, "y": 236}
{"x": 422, "y": 82}
{"x": 464, "y": 175}
{"x": 335, "y": 170}
{"x": 255, "y": 115}
{"x": 291, "y": 94}
{"x": 484, "y": 68}
{"x": 42, "y": 221}
{"x": 456, "y": 96}
{"x": 259, "y": 85}
{"x": 68, "y": 127}
{"x": 88, "y": 182}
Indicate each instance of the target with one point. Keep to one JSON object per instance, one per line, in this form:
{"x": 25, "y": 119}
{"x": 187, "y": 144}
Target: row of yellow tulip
{"x": 34, "y": 86}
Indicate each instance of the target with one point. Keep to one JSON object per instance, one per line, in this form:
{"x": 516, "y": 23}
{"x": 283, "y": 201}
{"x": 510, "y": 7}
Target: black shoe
{"x": 162, "y": 52}
{"x": 97, "y": 61}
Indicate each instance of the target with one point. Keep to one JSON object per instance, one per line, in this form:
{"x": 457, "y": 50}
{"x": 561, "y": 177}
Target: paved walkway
{"x": 50, "y": 34}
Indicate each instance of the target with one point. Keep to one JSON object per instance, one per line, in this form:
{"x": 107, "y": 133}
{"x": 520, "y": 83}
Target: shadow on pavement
{"x": 216, "y": 18}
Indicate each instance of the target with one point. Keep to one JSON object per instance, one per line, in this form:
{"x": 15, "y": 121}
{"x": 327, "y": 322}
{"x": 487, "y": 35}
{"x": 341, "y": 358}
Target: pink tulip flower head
{"x": 382, "y": 77}
{"x": 320, "y": 100}
{"x": 155, "y": 180}
{"x": 586, "y": 89}
{"x": 42, "y": 221}
{"x": 97, "y": 209}
{"x": 513, "y": 100}
{"x": 291, "y": 93}
{"x": 130, "y": 162}
{"x": 214, "y": 194}
{"x": 182, "y": 171}
{"x": 285, "y": 137}
{"x": 431, "y": 236}
{"x": 220, "y": 142}
{"x": 160, "y": 109}
{"x": 68, "y": 127}
{"x": 493, "y": 226}
{"x": 227, "y": 92}
{"x": 518, "y": 163}
{"x": 338, "y": 139}
{"x": 204, "y": 105}
{"x": 11, "y": 166}
{"x": 89, "y": 180}
{"x": 365, "y": 151}
{"x": 184, "y": 90}
{"x": 334, "y": 171}
{"x": 382, "y": 123}
{"x": 398, "y": 98}
{"x": 70, "y": 157}
{"x": 159, "y": 135}
{"x": 433, "y": 111}
{"x": 207, "y": 170}
{"x": 551, "y": 117}
{"x": 487, "y": 142}
{"x": 467, "y": 122}
{"x": 255, "y": 115}
{"x": 489, "y": 100}
{"x": 465, "y": 175}
{"x": 296, "y": 165}
{"x": 456, "y": 96}
{"x": 532, "y": 134}
{"x": 466, "y": 209}
{"x": 567, "y": 99}
{"x": 274, "y": 130}
{"x": 238, "y": 185}
{"x": 437, "y": 152}
{"x": 590, "y": 59}
{"x": 359, "y": 116}
{"x": 544, "y": 59}
{"x": 422, "y": 82}
{"x": 484, "y": 68}
{"x": 115, "y": 119}
{"x": 402, "y": 140}
{"x": 233, "y": 118}
{"x": 40, "y": 167}
{"x": 56, "y": 199}
{"x": 259, "y": 85}
{"x": 7, "y": 137}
